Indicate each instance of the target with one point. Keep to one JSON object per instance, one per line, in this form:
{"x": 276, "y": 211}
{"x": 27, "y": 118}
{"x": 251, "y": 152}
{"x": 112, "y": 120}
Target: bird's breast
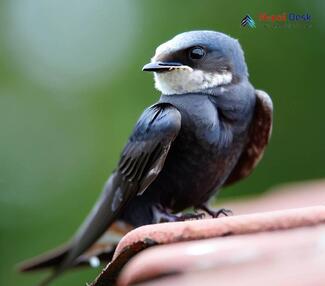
{"x": 201, "y": 157}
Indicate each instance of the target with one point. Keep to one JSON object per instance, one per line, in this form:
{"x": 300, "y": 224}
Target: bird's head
{"x": 195, "y": 61}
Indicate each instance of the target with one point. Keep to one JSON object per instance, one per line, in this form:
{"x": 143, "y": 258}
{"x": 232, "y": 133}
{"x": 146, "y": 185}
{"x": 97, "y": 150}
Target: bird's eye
{"x": 196, "y": 53}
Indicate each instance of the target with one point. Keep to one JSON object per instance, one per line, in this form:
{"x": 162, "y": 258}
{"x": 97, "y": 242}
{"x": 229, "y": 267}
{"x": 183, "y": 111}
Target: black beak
{"x": 162, "y": 66}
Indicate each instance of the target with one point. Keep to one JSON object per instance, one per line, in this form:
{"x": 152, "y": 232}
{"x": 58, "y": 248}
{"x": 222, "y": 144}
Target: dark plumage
{"x": 208, "y": 130}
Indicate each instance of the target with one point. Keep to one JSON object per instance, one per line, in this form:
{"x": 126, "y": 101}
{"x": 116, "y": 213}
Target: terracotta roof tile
{"x": 168, "y": 233}
{"x": 276, "y": 239}
{"x": 290, "y": 257}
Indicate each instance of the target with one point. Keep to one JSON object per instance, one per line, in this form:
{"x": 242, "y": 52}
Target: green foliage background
{"x": 71, "y": 89}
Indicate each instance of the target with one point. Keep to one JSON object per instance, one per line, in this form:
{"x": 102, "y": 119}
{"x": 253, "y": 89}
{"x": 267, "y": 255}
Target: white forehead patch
{"x": 180, "y": 81}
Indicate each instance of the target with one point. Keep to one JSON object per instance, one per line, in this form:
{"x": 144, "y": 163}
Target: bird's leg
{"x": 162, "y": 215}
{"x": 215, "y": 213}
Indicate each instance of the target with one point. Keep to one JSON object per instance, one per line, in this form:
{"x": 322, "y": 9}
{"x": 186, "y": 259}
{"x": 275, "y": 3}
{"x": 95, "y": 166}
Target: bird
{"x": 208, "y": 130}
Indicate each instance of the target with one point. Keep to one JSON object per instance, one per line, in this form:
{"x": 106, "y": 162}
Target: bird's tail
{"x": 101, "y": 251}
{"x": 48, "y": 279}
{"x": 96, "y": 239}
{"x": 46, "y": 260}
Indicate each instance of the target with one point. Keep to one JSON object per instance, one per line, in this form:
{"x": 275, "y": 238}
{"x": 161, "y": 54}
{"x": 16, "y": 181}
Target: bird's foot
{"x": 162, "y": 215}
{"x": 216, "y": 212}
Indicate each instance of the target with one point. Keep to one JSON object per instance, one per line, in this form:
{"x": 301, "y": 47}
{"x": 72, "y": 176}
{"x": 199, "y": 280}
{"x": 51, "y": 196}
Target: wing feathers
{"x": 141, "y": 161}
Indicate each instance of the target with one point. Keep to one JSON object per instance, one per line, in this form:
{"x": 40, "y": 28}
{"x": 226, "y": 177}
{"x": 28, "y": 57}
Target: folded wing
{"x": 141, "y": 161}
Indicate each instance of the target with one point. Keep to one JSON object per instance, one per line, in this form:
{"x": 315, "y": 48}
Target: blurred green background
{"x": 71, "y": 90}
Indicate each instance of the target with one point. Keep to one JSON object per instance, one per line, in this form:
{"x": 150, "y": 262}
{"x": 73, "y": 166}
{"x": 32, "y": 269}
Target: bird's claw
{"x": 216, "y": 213}
{"x": 225, "y": 212}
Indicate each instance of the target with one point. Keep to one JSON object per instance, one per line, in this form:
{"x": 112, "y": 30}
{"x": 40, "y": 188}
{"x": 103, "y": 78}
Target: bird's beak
{"x": 164, "y": 66}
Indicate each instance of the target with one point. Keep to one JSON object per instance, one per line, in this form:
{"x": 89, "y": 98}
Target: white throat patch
{"x": 180, "y": 81}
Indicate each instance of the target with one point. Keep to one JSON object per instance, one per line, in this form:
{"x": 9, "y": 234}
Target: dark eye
{"x": 196, "y": 53}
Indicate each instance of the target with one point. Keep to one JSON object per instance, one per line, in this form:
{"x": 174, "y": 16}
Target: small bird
{"x": 208, "y": 130}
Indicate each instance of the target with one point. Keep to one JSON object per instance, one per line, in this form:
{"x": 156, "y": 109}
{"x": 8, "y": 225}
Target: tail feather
{"x": 52, "y": 258}
{"x": 83, "y": 247}
{"x": 48, "y": 279}
{"x": 103, "y": 249}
